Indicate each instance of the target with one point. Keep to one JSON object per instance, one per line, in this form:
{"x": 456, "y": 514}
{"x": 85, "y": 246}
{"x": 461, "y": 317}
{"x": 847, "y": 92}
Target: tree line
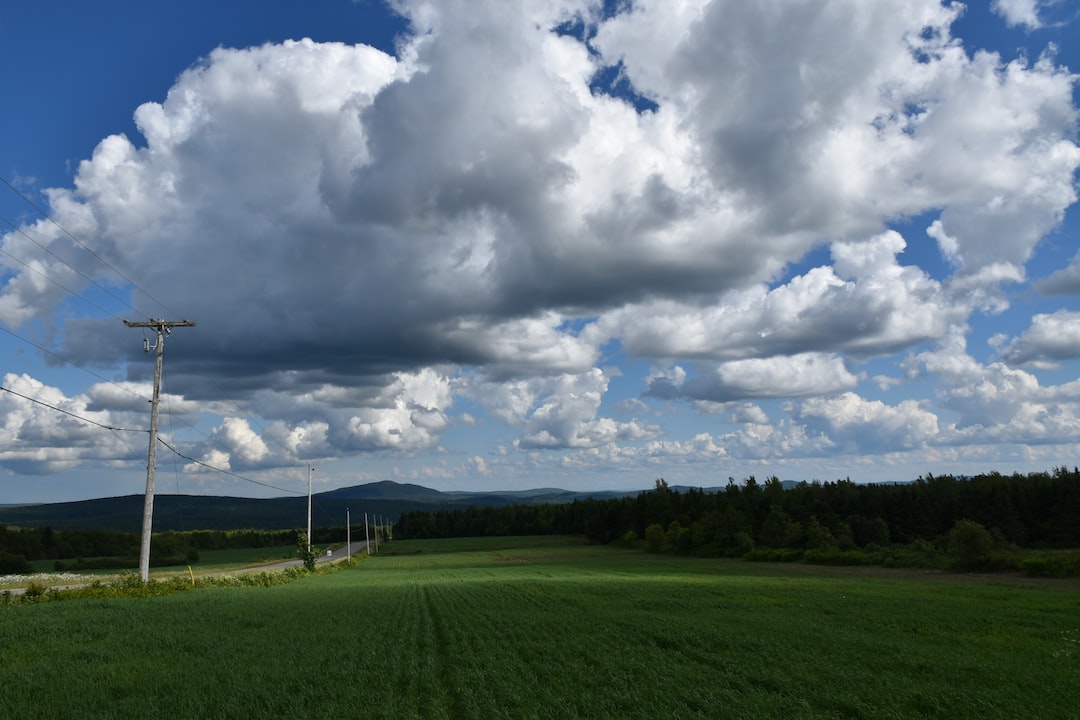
{"x": 822, "y": 520}
{"x": 87, "y": 549}
{"x": 911, "y": 524}
{"x": 112, "y": 549}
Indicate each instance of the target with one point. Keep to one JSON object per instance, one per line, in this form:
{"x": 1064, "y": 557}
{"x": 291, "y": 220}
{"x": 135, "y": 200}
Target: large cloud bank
{"x": 367, "y": 240}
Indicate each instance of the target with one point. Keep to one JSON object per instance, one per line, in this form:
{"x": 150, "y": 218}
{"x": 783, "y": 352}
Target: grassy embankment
{"x": 209, "y": 560}
{"x": 523, "y": 629}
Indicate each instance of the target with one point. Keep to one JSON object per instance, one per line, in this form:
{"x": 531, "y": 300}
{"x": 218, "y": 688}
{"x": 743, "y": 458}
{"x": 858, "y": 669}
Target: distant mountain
{"x": 388, "y": 490}
{"x": 385, "y": 499}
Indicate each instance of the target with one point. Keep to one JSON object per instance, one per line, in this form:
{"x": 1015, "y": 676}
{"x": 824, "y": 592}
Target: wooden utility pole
{"x": 163, "y": 328}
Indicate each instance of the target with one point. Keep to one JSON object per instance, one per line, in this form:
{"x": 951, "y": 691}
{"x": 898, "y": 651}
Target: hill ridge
{"x": 386, "y": 498}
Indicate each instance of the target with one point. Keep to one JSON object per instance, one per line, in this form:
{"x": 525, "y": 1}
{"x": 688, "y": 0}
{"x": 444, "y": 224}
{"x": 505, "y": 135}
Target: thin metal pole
{"x": 348, "y": 537}
{"x": 309, "y": 469}
{"x": 367, "y": 537}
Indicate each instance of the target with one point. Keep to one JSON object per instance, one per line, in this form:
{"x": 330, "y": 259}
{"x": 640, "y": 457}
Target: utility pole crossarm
{"x": 160, "y": 323}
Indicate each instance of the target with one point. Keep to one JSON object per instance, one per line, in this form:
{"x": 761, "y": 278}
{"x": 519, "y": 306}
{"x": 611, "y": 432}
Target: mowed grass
{"x": 520, "y": 630}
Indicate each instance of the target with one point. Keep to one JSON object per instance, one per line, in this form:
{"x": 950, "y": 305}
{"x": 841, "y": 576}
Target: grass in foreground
{"x": 519, "y": 631}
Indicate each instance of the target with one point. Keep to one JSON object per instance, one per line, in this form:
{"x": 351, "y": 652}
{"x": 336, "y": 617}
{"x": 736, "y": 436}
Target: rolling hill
{"x": 204, "y": 512}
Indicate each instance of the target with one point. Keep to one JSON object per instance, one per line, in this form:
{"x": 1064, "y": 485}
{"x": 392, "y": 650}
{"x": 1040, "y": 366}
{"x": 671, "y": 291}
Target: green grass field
{"x": 519, "y": 629}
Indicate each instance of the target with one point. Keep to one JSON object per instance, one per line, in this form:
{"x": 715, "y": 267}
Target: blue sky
{"x": 504, "y": 245}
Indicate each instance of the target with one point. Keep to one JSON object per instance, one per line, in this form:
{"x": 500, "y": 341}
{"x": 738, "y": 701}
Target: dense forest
{"x": 969, "y": 518}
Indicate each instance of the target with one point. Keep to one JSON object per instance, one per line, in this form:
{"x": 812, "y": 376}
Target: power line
{"x": 78, "y": 242}
{"x": 68, "y": 412}
{"x": 224, "y": 471}
{"x": 132, "y": 455}
{"x": 134, "y": 394}
{"x": 116, "y": 429}
{"x": 175, "y": 464}
{"x": 111, "y": 428}
{"x": 26, "y": 265}
{"x": 64, "y": 360}
{"x": 86, "y": 277}
{"x": 88, "y": 371}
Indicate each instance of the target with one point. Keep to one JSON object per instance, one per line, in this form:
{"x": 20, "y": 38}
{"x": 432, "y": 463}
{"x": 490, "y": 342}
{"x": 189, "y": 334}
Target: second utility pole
{"x": 309, "y": 469}
{"x": 163, "y": 328}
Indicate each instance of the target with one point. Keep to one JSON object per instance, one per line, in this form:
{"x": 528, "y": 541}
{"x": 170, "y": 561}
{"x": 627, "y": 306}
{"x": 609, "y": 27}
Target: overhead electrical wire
{"x": 20, "y": 231}
{"x": 64, "y": 360}
{"x": 175, "y": 463}
{"x": 68, "y": 412}
{"x": 132, "y": 453}
{"x": 55, "y": 282}
{"x": 119, "y": 429}
{"x": 68, "y": 290}
{"x": 28, "y": 266}
{"x": 104, "y": 379}
{"x": 17, "y": 229}
{"x": 160, "y": 440}
{"x": 85, "y": 247}
{"x": 226, "y": 472}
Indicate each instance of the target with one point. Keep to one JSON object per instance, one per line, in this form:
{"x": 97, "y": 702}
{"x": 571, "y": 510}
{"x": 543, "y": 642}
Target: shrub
{"x": 34, "y": 592}
{"x": 655, "y": 538}
{"x": 815, "y": 536}
{"x": 743, "y": 544}
{"x": 833, "y": 556}
{"x": 678, "y": 538}
{"x": 12, "y": 564}
{"x": 1055, "y": 564}
{"x": 969, "y": 545}
{"x": 773, "y": 555}
{"x": 305, "y": 551}
{"x": 918, "y": 554}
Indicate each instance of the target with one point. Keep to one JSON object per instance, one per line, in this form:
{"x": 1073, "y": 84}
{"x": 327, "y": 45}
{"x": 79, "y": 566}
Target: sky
{"x": 512, "y": 244}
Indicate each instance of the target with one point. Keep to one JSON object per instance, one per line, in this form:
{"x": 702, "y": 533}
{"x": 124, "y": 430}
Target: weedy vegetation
{"x": 521, "y": 629}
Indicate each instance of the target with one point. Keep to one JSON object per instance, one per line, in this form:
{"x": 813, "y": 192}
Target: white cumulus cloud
{"x": 365, "y": 240}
